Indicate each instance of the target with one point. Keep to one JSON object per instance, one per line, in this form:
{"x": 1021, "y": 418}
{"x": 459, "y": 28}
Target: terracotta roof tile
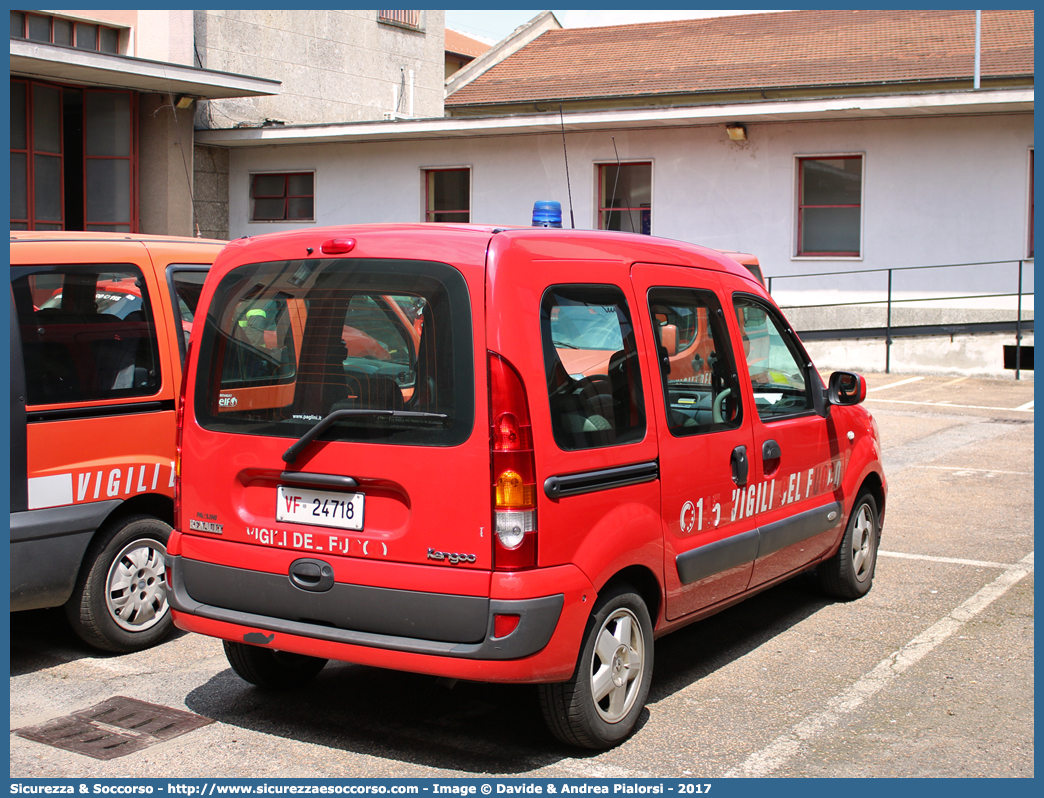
{"x": 457, "y": 42}
{"x": 737, "y": 53}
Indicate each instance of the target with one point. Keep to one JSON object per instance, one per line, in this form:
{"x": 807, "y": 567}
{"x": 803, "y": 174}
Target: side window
{"x": 700, "y": 382}
{"x": 187, "y": 285}
{"x": 781, "y": 383}
{"x": 87, "y": 333}
{"x": 591, "y": 364}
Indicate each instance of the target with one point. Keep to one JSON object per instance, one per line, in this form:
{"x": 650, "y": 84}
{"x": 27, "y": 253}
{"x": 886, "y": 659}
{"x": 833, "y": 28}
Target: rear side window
{"x": 287, "y": 343}
{"x": 87, "y": 333}
{"x": 591, "y": 364}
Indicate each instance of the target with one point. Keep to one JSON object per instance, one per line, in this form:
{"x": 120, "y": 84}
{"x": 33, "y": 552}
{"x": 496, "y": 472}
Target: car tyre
{"x": 271, "y": 669}
{"x": 600, "y": 705}
{"x": 119, "y": 602}
{"x": 849, "y": 574}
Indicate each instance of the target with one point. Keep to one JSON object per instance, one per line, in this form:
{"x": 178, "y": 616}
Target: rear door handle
{"x": 740, "y": 465}
{"x": 770, "y": 450}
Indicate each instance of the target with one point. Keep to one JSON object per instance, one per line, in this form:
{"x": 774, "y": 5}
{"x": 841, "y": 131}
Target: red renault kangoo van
{"x": 593, "y": 439}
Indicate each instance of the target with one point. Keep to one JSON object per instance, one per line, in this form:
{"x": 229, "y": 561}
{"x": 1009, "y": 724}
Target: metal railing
{"x": 889, "y": 331}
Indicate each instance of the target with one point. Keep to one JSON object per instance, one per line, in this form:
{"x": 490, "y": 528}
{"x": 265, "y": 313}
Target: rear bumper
{"x": 435, "y": 633}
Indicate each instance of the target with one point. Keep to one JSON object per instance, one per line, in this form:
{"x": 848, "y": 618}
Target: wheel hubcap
{"x": 862, "y": 543}
{"x": 136, "y": 586}
{"x": 618, "y": 664}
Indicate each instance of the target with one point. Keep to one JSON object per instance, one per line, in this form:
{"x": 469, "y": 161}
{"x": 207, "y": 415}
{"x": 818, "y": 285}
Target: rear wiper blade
{"x": 290, "y": 455}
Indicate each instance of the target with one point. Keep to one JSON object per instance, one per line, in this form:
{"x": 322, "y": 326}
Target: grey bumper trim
{"x": 538, "y": 617}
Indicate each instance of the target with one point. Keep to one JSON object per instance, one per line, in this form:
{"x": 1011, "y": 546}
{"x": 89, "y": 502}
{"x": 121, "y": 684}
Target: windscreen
{"x": 287, "y": 343}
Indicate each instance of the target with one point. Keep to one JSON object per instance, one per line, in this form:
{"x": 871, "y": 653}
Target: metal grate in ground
{"x": 116, "y": 727}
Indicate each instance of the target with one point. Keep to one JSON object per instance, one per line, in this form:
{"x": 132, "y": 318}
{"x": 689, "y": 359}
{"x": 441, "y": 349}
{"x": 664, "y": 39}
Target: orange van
{"x": 99, "y": 325}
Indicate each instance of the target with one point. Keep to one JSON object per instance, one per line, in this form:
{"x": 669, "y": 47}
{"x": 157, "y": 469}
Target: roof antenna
{"x": 612, "y": 204}
{"x": 565, "y": 152}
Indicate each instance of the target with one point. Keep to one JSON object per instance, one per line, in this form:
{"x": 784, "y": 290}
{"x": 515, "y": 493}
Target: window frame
{"x": 799, "y": 207}
{"x": 410, "y": 20}
{"x": 149, "y": 309}
{"x": 131, "y": 158}
{"x": 427, "y": 212}
{"x": 286, "y": 196}
{"x": 573, "y": 440}
{"x": 98, "y": 26}
{"x": 602, "y": 211}
{"x": 719, "y": 334}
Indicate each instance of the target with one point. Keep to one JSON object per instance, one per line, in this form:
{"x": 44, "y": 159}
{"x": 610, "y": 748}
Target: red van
{"x": 98, "y": 332}
{"x": 580, "y": 452}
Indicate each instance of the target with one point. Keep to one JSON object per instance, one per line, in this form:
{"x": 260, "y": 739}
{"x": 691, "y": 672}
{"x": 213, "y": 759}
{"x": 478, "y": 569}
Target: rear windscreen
{"x": 287, "y": 343}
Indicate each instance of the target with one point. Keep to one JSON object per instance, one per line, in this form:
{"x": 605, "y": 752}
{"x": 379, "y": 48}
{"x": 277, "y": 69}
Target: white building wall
{"x": 937, "y": 190}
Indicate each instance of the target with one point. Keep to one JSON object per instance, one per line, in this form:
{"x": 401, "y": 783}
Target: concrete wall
{"x": 164, "y": 167}
{"x": 165, "y": 36}
{"x": 210, "y": 179}
{"x": 335, "y": 66}
{"x": 957, "y": 355}
{"x": 936, "y": 190}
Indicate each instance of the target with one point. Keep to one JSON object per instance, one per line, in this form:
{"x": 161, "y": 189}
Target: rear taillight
{"x": 514, "y": 469}
{"x": 179, "y": 432}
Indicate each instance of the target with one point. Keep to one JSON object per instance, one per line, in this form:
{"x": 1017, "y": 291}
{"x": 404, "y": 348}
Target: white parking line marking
{"x": 951, "y": 560}
{"x": 979, "y": 470}
{"x": 947, "y": 405}
{"x": 589, "y": 769}
{"x": 893, "y": 384}
{"x": 776, "y": 754}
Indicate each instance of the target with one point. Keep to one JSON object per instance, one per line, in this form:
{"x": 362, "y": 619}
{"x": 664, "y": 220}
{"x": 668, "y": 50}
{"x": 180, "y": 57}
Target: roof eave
{"x": 986, "y": 101}
{"x": 86, "y": 67}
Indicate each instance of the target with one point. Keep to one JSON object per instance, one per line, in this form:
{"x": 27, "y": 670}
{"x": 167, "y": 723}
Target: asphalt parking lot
{"x": 930, "y": 675}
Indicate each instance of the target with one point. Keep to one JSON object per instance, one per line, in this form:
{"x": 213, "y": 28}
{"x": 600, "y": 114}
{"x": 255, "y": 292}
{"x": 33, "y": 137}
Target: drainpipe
{"x": 978, "y": 46}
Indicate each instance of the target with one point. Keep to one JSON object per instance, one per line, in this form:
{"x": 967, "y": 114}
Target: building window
{"x": 448, "y": 195}
{"x": 405, "y": 19}
{"x": 625, "y": 197}
{"x": 73, "y": 158}
{"x": 830, "y": 206}
{"x": 58, "y": 30}
{"x": 283, "y": 197}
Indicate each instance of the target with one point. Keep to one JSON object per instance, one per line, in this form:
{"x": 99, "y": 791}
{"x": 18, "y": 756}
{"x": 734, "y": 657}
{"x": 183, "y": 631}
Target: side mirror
{"x": 846, "y": 388}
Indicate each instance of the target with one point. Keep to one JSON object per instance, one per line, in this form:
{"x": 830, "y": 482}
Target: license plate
{"x": 320, "y": 507}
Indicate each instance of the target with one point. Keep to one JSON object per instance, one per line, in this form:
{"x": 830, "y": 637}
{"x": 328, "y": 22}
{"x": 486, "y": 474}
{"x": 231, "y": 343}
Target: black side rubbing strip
{"x": 716, "y": 557}
{"x": 804, "y": 525}
{"x": 131, "y": 408}
{"x": 602, "y": 479}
